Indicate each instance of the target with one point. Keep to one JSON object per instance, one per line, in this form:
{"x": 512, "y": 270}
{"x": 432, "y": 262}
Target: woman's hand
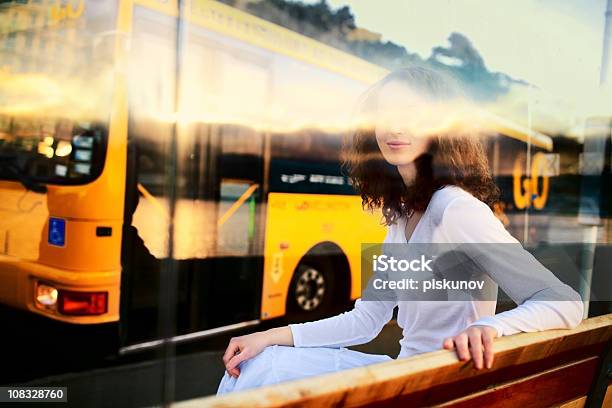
{"x": 248, "y": 346}
{"x": 475, "y": 342}
{"x": 242, "y": 348}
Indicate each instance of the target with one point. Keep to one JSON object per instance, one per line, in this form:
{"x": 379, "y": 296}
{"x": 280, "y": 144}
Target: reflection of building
{"x": 243, "y": 4}
{"x": 27, "y": 45}
{"x": 361, "y": 34}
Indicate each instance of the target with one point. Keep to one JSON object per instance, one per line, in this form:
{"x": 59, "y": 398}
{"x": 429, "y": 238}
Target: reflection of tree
{"x": 461, "y": 49}
{"x": 337, "y": 28}
{"x": 464, "y": 61}
{"x": 313, "y": 20}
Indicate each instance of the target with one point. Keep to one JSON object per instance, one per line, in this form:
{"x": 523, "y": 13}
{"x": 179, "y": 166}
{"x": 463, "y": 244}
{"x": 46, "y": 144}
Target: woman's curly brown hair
{"x": 454, "y": 156}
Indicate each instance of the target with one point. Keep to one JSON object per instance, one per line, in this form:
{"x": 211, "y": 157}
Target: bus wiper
{"x": 12, "y": 170}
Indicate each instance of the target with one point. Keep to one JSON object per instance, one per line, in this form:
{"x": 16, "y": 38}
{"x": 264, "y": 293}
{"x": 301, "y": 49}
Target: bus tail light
{"x": 82, "y": 303}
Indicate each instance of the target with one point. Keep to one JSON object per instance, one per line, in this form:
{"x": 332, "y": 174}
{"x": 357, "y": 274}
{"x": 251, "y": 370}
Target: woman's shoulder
{"x": 454, "y": 199}
{"x": 464, "y": 218}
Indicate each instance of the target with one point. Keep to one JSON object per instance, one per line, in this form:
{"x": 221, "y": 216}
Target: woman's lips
{"x": 396, "y": 144}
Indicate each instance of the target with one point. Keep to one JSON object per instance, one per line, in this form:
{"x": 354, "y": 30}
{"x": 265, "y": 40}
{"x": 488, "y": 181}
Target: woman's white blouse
{"x": 452, "y": 216}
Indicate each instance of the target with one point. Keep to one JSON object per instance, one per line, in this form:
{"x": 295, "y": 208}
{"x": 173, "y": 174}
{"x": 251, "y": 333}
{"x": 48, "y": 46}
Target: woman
{"x": 411, "y": 157}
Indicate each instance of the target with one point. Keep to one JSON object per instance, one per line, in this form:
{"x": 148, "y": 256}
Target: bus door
{"x": 219, "y": 228}
{"x": 226, "y": 89}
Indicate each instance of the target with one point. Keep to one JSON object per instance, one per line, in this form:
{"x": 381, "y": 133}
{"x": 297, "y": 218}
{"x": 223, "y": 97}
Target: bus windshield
{"x": 34, "y": 150}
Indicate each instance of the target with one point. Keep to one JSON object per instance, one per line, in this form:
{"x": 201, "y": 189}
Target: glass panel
{"x": 174, "y": 173}
{"x": 87, "y": 96}
{"x": 268, "y": 92}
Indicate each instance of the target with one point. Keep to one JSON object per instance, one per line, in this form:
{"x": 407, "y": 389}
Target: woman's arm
{"x": 544, "y": 302}
{"x": 357, "y": 326}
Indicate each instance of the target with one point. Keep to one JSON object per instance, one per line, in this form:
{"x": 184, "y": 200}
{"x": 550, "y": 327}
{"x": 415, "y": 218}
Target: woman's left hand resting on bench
{"x": 248, "y": 346}
{"x": 475, "y": 342}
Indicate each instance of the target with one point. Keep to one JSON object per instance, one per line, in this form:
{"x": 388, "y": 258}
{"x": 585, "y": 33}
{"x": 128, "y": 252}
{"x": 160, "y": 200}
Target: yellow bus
{"x": 153, "y": 164}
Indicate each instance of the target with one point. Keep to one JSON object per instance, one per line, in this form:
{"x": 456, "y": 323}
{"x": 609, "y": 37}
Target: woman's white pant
{"x": 277, "y": 364}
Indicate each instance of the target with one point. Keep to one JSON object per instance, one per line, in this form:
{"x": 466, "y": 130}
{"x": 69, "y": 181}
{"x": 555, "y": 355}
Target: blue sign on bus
{"x": 57, "y": 231}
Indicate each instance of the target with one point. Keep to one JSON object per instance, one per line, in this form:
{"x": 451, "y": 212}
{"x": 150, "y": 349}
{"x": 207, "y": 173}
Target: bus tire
{"x": 313, "y": 290}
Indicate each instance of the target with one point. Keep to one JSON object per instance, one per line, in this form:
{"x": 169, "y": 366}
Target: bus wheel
{"x": 311, "y": 291}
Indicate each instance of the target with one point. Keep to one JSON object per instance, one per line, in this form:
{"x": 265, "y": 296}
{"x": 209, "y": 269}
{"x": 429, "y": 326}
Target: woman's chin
{"x": 398, "y": 159}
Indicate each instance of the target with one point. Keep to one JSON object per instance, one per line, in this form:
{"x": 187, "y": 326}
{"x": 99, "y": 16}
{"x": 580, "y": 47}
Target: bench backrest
{"x": 541, "y": 369}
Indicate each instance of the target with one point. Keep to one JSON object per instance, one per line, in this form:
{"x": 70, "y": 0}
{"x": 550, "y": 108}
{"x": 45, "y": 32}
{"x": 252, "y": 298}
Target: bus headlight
{"x": 46, "y": 296}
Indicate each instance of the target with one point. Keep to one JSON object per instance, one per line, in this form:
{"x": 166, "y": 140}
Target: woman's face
{"x": 402, "y": 123}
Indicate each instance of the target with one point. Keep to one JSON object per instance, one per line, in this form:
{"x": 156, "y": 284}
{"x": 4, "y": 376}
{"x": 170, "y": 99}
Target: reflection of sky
{"x": 555, "y": 44}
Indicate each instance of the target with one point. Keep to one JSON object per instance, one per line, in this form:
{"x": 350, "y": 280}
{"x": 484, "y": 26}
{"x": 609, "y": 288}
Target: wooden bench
{"x": 569, "y": 368}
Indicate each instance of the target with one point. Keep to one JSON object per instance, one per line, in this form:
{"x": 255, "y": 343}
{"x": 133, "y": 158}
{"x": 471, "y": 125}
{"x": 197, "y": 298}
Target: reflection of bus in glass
{"x": 265, "y": 224}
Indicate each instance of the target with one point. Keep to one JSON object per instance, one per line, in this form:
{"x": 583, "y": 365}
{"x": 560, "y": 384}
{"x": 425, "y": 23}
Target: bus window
{"x": 236, "y": 220}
